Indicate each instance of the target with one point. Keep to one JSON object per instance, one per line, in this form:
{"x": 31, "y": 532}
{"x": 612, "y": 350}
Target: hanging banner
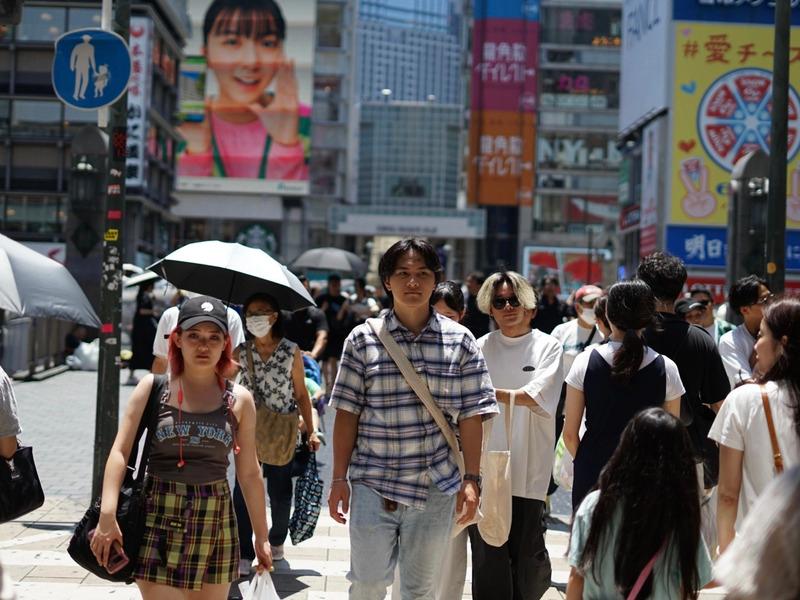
{"x": 722, "y": 100}
{"x": 502, "y": 133}
{"x": 140, "y": 41}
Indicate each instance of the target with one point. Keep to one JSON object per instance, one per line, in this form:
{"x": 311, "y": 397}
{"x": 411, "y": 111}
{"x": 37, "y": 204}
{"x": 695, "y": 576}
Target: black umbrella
{"x": 330, "y": 259}
{"x": 233, "y": 273}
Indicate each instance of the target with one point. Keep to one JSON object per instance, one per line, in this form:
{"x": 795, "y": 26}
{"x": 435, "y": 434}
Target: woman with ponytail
{"x": 615, "y": 381}
{"x": 638, "y": 535}
{"x": 747, "y": 463}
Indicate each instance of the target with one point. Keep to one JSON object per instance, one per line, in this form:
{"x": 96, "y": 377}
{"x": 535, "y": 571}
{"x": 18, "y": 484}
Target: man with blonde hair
{"x": 525, "y": 365}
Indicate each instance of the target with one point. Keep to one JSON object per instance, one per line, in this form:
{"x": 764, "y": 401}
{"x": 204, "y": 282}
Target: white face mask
{"x": 259, "y": 326}
{"x": 588, "y": 316}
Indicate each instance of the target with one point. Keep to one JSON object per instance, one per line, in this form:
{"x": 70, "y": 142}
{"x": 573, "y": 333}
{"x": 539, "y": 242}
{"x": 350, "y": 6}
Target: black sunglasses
{"x": 500, "y": 303}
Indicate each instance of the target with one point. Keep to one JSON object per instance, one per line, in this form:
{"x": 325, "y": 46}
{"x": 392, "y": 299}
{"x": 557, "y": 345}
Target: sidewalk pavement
{"x": 57, "y": 417}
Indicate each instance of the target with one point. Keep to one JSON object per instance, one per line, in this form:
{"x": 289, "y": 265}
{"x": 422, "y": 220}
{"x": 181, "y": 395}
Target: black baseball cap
{"x": 686, "y": 305}
{"x": 202, "y": 309}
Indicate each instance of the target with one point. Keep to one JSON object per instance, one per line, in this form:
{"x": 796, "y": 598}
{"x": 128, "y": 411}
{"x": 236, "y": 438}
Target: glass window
{"x": 5, "y": 113}
{"x": 329, "y": 25}
{"x": 33, "y": 72}
{"x": 35, "y": 167}
{"x": 75, "y": 119}
{"x": 34, "y": 214}
{"x": 80, "y": 18}
{"x": 5, "y": 69}
{"x": 41, "y": 24}
{"x": 590, "y": 26}
{"x": 605, "y": 119}
{"x": 36, "y": 118}
{"x": 327, "y": 98}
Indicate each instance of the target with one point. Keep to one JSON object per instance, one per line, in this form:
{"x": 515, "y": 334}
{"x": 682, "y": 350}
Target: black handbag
{"x": 131, "y": 506}
{"x": 20, "y": 489}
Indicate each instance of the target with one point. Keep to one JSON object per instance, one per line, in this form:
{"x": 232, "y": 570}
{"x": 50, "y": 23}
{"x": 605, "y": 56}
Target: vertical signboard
{"x": 502, "y": 136}
{"x": 139, "y": 89}
{"x": 648, "y": 225}
{"x": 722, "y": 98}
{"x": 246, "y": 93}
{"x": 645, "y": 39}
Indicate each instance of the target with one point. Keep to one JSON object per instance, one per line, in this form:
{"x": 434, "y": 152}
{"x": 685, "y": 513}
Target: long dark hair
{"x": 783, "y": 319}
{"x": 631, "y": 307}
{"x": 651, "y": 478}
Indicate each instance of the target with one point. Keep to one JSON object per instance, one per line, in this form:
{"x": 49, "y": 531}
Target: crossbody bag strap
{"x": 640, "y": 581}
{"x": 418, "y": 385}
{"x": 777, "y": 457}
{"x": 149, "y": 422}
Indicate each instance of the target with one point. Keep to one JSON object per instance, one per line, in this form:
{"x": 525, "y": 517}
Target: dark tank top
{"x": 207, "y": 440}
{"x": 609, "y": 408}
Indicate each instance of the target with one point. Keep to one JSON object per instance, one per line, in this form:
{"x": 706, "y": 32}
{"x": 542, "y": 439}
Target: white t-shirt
{"x": 742, "y": 425}
{"x": 169, "y": 318}
{"x": 735, "y": 348}
{"x": 577, "y": 374}
{"x": 574, "y": 340}
{"x": 531, "y": 362}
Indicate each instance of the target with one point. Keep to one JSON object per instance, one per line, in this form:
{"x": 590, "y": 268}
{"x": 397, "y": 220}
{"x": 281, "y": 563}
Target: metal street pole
{"x": 107, "y": 415}
{"x": 776, "y": 206}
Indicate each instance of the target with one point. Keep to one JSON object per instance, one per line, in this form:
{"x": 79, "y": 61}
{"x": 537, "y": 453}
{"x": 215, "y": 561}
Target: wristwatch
{"x": 476, "y": 478}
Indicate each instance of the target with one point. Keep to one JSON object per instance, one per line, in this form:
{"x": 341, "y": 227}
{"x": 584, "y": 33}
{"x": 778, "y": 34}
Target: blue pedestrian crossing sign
{"x": 91, "y": 68}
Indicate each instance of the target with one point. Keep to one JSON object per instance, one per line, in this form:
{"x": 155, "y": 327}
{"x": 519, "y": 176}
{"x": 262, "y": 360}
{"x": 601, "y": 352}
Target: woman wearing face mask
{"x": 272, "y": 369}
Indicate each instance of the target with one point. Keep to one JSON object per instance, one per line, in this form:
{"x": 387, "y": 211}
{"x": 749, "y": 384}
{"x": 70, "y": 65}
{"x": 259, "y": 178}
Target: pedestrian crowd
{"x": 670, "y": 426}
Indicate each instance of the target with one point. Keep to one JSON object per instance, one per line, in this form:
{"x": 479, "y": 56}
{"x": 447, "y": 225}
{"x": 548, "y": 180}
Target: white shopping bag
{"x": 261, "y": 588}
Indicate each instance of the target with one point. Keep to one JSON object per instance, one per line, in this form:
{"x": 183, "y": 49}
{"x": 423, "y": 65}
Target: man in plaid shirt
{"x": 406, "y": 486}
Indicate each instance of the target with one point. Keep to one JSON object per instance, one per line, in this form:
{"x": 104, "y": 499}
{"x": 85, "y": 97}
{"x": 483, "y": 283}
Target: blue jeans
{"x": 279, "y": 490}
{"x": 414, "y": 539}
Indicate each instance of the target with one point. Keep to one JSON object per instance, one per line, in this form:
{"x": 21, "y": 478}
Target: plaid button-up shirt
{"x": 399, "y": 448}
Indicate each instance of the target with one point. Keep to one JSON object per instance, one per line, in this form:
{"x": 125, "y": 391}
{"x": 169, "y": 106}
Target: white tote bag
{"x": 496, "y": 493}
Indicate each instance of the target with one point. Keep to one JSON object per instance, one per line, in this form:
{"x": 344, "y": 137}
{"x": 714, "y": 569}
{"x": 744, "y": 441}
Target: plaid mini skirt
{"x": 190, "y": 535}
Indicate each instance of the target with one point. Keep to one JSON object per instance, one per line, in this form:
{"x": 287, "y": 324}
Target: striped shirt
{"x": 399, "y": 448}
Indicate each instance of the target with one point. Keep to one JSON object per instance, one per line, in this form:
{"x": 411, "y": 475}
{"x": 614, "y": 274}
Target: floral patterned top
{"x": 273, "y": 385}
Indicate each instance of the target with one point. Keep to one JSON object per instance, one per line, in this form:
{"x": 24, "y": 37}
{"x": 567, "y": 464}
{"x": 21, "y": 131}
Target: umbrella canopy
{"x": 232, "y": 272}
{"x": 330, "y": 259}
{"x": 142, "y": 278}
{"x": 34, "y": 285}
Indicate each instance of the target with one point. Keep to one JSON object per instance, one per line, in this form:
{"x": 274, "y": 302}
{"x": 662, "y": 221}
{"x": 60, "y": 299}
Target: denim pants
{"x": 279, "y": 490}
{"x": 414, "y": 539}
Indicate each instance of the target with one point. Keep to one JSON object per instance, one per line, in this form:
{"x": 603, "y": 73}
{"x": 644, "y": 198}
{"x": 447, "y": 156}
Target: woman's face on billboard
{"x": 244, "y": 66}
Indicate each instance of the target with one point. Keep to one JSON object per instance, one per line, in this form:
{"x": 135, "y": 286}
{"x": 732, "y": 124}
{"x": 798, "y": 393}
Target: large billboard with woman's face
{"x": 246, "y": 92}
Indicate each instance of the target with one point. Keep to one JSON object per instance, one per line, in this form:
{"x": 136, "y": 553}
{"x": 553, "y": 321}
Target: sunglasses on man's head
{"x": 500, "y": 303}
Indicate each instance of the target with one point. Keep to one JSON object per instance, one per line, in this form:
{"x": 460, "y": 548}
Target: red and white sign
{"x": 734, "y": 116}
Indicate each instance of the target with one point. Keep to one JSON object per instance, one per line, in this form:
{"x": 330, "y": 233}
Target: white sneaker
{"x": 277, "y": 552}
{"x": 245, "y": 566}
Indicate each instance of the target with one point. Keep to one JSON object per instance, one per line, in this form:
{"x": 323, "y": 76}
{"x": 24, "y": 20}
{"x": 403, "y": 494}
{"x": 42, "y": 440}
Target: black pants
{"x": 520, "y": 568}
{"x": 279, "y": 489}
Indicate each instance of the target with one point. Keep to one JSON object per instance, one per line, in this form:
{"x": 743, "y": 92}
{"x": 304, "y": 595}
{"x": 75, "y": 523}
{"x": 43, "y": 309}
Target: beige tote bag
{"x": 496, "y": 494}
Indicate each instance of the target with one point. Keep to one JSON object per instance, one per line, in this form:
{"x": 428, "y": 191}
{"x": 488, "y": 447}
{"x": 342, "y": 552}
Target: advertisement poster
{"x": 573, "y": 266}
{"x": 246, "y": 98}
{"x": 722, "y": 102}
{"x": 502, "y": 158}
{"x": 502, "y": 134}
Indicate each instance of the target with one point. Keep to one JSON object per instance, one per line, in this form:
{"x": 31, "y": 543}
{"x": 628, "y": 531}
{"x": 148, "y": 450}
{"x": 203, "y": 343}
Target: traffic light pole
{"x": 776, "y": 207}
{"x": 107, "y": 413}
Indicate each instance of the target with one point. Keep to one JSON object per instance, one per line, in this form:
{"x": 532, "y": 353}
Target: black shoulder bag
{"x": 20, "y": 489}
{"x": 131, "y": 506}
